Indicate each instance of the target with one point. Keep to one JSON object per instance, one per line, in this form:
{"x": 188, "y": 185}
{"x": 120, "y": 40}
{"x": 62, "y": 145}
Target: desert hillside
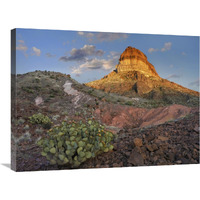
{"x": 147, "y": 132}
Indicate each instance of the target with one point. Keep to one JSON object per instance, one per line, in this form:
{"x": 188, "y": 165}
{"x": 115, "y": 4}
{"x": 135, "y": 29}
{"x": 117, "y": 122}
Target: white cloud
{"x": 49, "y": 55}
{"x": 195, "y": 83}
{"x": 115, "y": 54}
{"x": 151, "y": 50}
{"x": 36, "y": 51}
{"x": 173, "y": 76}
{"x": 21, "y": 41}
{"x": 86, "y": 34}
{"x": 90, "y": 34}
{"x": 22, "y": 47}
{"x": 102, "y": 36}
{"x": 110, "y": 36}
{"x": 94, "y": 63}
{"x": 167, "y": 46}
{"x": 98, "y": 64}
{"x": 80, "y": 33}
{"x": 76, "y": 71}
{"x": 82, "y": 53}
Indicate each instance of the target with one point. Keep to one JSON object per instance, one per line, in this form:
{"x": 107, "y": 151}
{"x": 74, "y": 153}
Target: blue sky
{"x": 88, "y": 56}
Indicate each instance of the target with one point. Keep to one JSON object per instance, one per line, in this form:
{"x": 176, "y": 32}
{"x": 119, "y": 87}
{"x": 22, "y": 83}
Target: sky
{"x": 89, "y": 56}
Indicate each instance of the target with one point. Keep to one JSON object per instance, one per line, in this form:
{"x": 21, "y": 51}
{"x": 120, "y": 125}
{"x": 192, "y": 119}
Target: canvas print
{"x": 101, "y": 100}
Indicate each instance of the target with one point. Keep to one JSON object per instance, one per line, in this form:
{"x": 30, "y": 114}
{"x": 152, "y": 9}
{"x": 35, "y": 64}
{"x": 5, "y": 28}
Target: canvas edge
{"x": 13, "y": 99}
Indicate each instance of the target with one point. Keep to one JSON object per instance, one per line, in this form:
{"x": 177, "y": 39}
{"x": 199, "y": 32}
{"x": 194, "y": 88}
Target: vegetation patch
{"x": 74, "y": 142}
{"x": 27, "y": 89}
{"x": 40, "y": 119}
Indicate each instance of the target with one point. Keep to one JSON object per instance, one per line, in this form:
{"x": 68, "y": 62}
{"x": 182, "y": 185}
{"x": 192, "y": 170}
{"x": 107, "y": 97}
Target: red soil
{"x": 127, "y": 116}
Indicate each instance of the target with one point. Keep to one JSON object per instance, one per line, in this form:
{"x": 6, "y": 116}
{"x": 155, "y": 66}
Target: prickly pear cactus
{"x": 75, "y": 142}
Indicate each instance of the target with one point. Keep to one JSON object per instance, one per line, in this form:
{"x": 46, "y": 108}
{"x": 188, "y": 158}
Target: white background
{"x": 150, "y": 16}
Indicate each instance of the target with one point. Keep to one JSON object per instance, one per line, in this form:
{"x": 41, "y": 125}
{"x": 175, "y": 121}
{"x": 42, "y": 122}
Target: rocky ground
{"x": 166, "y": 144}
{"x": 141, "y": 138}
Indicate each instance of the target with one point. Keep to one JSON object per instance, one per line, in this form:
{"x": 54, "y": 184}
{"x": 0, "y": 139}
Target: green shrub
{"x": 40, "y": 119}
{"x": 27, "y": 89}
{"x": 129, "y": 103}
{"x": 74, "y": 142}
{"x": 37, "y": 80}
{"x": 90, "y": 91}
{"x": 21, "y": 121}
{"x": 77, "y": 114}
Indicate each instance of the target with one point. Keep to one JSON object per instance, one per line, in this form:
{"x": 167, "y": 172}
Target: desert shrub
{"x": 37, "y": 87}
{"x": 27, "y": 89}
{"x": 86, "y": 105}
{"x": 51, "y": 95}
{"x": 52, "y": 76}
{"x": 40, "y": 119}
{"x": 129, "y": 103}
{"x": 37, "y": 80}
{"x": 21, "y": 121}
{"x": 77, "y": 113}
{"x": 74, "y": 142}
{"x": 90, "y": 91}
{"x": 26, "y": 127}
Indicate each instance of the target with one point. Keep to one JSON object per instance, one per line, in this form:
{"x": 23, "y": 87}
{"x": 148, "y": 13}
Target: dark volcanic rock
{"x": 150, "y": 137}
{"x": 168, "y": 150}
{"x": 152, "y": 147}
{"x": 136, "y": 158}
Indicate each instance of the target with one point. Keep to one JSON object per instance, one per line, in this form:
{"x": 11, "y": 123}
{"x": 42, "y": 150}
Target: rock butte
{"x": 135, "y": 74}
{"x": 133, "y": 59}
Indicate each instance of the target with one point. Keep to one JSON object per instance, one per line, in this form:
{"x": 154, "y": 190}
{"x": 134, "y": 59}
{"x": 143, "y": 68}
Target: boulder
{"x": 137, "y": 142}
{"x": 136, "y": 158}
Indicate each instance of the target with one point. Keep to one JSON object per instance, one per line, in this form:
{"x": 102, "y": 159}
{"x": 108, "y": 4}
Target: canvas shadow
{"x": 6, "y": 164}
